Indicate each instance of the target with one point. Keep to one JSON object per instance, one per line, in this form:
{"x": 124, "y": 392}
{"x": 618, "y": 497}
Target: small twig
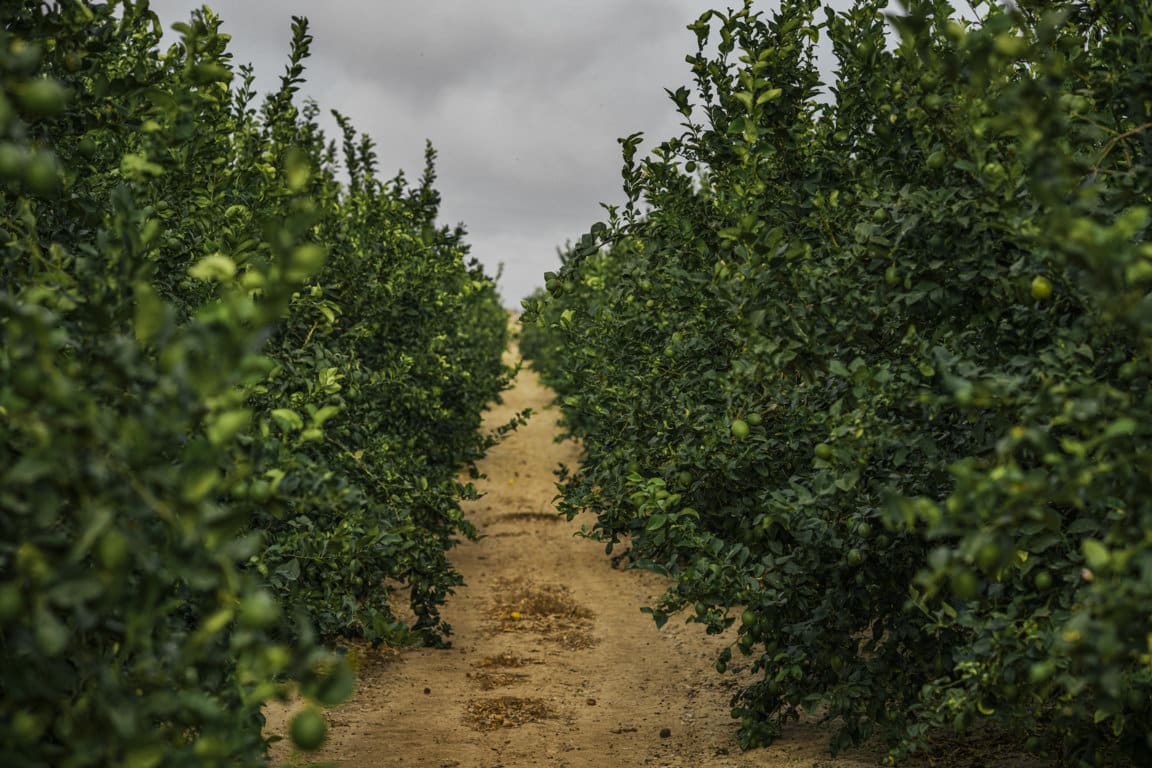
{"x": 1111, "y": 145}
{"x": 828, "y": 229}
{"x": 311, "y": 331}
{"x": 161, "y": 509}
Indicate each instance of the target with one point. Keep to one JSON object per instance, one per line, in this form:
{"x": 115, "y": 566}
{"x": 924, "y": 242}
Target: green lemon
{"x": 27, "y": 727}
{"x": 259, "y": 610}
{"x": 13, "y": 161}
{"x": 259, "y": 490}
{"x": 740, "y": 429}
{"x": 988, "y": 556}
{"x": 308, "y": 730}
{"x": 23, "y": 57}
{"x": 965, "y": 584}
{"x": 7, "y": 114}
{"x": 31, "y": 563}
{"x": 993, "y": 171}
{"x": 1041, "y": 671}
{"x": 112, "y": 551}
{"x": 43, "y": 98}
{"x": 10, "y": 601}
{"x": 87, "y": 147}
{"x": 1041, "y": 288}
{"x": 40, "y": 173}
{"x": 823, "y": 451}
{"x": 1009, "y": 45}
{"x": 306, "y": 260}
{"x": 1043, "y": 580}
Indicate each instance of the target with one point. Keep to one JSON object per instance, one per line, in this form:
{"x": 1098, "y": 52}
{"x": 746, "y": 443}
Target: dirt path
{"x": 553, "y": 663}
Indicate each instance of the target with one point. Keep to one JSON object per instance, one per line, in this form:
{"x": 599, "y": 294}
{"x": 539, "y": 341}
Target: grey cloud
{"x": 420, "y": 49}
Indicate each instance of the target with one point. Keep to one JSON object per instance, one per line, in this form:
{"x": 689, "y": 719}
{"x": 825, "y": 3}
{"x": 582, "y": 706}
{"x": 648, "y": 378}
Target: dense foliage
{"x": 236, "y": 393}
{"x": 872, "y": 371}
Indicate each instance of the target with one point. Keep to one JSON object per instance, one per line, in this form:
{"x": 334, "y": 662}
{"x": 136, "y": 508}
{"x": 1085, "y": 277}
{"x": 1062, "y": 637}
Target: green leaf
{"x": 769, "y": 95}
{"x": 139, "y": 167}
{"x": 287, "y": 419}
{"x": 151, "y": 313}
{"x": 199, "y": 482}
{"x": 215, "y": 267}
{"x": 224, "y": 426}
{"x": 148, "y": 756}
{"x": 306, "y": 260}
{"x": 324, "y": 414}
{"x": 100, "y": 521}
{"x": 1122, "y": 426}
{"x": 51, "y": 633}
{"x": 211, "y": 72}
{"x": 29, "y": 469}
{"x": 337, "y": 686}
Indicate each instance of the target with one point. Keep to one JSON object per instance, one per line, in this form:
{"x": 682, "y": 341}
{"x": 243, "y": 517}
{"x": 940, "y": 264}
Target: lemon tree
{"x": 236, "y": 394}
{"x": 928, "y": 276}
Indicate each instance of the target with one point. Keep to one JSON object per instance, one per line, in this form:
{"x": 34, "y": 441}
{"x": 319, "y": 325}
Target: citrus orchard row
{"x": 865, "y": 369}
{"x": 236, "y": 391}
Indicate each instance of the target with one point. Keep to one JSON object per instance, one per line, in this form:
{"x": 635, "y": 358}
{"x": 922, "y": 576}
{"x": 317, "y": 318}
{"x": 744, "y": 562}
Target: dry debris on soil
{"x": 505, "y": 712}
{"x": 520, "y": 605}
{"x": 490, "y": 680}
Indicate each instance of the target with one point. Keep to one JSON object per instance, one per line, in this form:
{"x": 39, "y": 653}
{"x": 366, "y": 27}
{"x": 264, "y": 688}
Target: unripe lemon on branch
{"x": 308, "y": 730}
{"x": 1041, "y": 288}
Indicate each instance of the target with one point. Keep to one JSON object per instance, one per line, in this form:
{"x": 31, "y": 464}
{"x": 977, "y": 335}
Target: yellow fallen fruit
{"x": 515, "y": 615}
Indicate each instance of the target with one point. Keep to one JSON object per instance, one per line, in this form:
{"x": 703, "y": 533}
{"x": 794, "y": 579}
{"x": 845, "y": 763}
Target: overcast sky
{"x": 523, "y": 99}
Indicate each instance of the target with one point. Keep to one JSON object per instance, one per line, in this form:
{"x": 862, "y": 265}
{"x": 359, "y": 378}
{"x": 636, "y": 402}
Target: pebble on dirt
{"x": 665, "y": 733}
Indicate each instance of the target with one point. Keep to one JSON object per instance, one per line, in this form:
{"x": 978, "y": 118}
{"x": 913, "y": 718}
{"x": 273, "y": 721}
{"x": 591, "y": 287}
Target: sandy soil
{"x": 552, "y": 664}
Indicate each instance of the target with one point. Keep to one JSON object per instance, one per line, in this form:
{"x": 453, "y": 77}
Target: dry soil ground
{"x": 552, "y": 664}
